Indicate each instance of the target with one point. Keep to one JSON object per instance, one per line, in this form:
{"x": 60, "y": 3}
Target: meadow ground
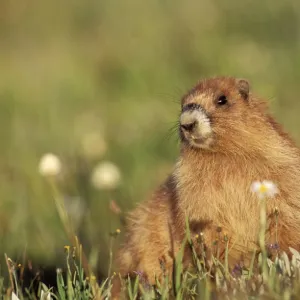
{"x": 264, "y": 278}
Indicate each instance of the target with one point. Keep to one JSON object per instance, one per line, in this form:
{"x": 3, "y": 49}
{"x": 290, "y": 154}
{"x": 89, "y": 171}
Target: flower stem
{"x": 262, "y": 235}
{"x": 59, "y": 203}
{"x": 110, "y": 255}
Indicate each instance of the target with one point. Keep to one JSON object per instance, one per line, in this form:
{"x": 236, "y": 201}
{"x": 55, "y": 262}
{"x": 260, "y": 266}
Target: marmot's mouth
{"x": 198, "y": 142}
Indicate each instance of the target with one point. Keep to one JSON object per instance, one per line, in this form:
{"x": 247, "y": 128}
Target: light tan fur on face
{"x": 213, "y": 187}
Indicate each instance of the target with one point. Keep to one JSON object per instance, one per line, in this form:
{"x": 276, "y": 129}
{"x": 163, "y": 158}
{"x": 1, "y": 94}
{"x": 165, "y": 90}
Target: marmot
{"x": 228, "y": 140}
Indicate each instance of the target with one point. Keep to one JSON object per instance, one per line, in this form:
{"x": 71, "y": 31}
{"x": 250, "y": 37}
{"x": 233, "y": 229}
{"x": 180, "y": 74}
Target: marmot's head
{"x": 213, "y": 112}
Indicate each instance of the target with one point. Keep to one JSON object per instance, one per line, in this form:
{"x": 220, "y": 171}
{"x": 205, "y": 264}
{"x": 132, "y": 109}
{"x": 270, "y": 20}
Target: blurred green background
{"x": 94, "y": 81}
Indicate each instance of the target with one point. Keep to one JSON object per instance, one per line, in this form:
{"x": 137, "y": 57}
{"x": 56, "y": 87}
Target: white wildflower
{"x": 49, "y": 165}
{"x": 264, "y": 189}
{"x": 106, "y": 176}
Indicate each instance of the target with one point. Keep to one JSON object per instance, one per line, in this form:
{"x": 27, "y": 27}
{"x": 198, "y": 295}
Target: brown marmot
{"x": 228, "y": 140}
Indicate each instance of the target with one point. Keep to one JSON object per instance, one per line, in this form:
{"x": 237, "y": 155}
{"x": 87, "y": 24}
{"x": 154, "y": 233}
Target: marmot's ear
{"x": 243, "y": 87}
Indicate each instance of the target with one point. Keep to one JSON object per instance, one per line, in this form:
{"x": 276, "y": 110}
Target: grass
{"x": 282, "y": 282}
{"x": 278, "y": 278}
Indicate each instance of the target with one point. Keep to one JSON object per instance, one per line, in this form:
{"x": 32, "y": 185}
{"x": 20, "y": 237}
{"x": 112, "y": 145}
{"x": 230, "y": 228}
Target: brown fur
{"x": 213, "y": 186}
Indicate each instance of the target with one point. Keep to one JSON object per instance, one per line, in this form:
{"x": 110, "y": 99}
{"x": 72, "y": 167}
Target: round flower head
{"x": 49, "y": 165}
{"x": 106, "y": 176}
{"x": 264, "y": 189}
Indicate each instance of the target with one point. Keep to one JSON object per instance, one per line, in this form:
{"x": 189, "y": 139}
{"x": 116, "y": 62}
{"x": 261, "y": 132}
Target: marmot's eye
{"x": 222, "y": 100}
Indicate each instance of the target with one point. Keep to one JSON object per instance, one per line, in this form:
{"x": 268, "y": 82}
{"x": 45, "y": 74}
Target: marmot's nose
{"x": 189, "y": 126}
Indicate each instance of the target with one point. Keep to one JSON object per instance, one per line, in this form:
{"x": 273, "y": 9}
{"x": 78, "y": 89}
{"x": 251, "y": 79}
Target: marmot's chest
{"x": 219, "y": 193}
{"x": 210, "y": 193}
{"x": 229, "y": 204}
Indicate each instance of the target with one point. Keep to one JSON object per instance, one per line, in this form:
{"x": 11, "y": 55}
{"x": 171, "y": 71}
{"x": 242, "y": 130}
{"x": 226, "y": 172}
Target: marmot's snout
{"x": 195, "y": 126}
{"x": 189, "y": 127}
